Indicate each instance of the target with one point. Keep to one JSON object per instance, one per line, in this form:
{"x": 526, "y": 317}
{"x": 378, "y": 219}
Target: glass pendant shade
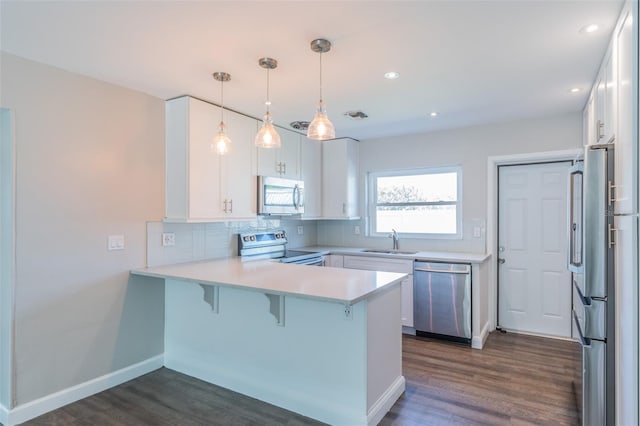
{"x": 321, "y": 128}
{"x": 267, "y": 137}
{"x": 221, "y": 144}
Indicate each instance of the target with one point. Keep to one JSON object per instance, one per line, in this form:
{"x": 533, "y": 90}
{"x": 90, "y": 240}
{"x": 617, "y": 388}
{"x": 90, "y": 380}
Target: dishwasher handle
{"x": 442, "y": 271}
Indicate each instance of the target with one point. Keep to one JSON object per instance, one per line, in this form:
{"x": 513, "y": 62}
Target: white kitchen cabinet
{"x": 334, "y": 260}
{"x": 281, "y": 162}
{"x": 588, "y": 126}
{"x": 201, "y": 185}
{"x": 389, "y": 265}
{"x": 605, "y": 101}
{"x": 311, "y": 174}
{"x": 625, "y": 149}
{"x": 340, "y": 179}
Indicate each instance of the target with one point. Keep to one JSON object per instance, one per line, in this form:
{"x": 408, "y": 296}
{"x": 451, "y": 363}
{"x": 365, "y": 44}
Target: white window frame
{"x": 373, "y": 190}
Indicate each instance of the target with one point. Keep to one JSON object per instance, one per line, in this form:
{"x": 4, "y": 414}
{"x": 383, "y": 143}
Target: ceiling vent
{"x": 299, "y": 125}
{"x": 356, "y": 115}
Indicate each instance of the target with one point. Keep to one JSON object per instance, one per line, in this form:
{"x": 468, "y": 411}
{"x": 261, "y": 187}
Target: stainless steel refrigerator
{"x": 592, "y": 236}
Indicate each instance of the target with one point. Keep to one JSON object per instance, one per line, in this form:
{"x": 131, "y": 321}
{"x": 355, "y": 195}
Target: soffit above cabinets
{"x": 472, "y": 61}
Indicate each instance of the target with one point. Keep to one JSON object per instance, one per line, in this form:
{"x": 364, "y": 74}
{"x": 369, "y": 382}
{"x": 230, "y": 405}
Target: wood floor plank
{"x": 514, "y": 380}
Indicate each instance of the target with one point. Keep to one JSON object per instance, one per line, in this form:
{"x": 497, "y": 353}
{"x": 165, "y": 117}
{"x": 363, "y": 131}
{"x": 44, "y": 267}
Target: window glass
{"x": 422, "y": 202}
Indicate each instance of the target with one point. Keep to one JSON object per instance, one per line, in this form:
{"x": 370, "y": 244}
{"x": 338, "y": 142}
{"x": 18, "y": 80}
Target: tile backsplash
{"x": 199, "y": 241}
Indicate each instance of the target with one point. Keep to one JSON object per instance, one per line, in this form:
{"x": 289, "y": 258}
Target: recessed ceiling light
{"x": 589, "y": 28}
{"x": 434, "y": 114}
{"x": 574, "y": 90}
{"x": 391, "y": 75}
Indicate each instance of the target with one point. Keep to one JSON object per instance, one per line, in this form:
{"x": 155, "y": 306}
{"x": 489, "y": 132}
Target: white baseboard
{"x": 477, "y": 342}
{"x": 43, "y": 405}
{"x": 385, "y": 402}
{"x": 4, "y": 415}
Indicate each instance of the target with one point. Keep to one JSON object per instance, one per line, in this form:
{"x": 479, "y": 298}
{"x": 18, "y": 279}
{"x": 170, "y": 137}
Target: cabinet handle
{"x": 344, "y": 208}
{"x": 600, "y": 129}
{"x": 224, "y": 209}
{"x": 284, "y": 168}
{"x": 231, "y": 205}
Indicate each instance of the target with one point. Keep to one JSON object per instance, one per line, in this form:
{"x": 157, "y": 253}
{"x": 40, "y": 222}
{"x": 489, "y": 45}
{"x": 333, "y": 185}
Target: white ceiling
{"x": 472, "y": 61}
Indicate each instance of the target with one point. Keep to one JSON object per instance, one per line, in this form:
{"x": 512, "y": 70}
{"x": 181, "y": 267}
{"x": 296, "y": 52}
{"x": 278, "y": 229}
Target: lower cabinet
{"x": 334, "y": 261}
{"x": 383, "y": 264}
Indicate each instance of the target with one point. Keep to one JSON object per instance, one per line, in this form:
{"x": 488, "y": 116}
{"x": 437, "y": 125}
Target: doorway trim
{"x": 7, "y": 261}
{"x": 492, "y": 210}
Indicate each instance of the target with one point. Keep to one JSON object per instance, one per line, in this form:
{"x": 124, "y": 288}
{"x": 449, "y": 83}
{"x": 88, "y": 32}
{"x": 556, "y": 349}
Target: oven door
{"x": 316, "y": 261}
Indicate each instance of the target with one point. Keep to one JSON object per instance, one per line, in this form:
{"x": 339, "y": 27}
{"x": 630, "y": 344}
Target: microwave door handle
{"x": 296, "y": 197}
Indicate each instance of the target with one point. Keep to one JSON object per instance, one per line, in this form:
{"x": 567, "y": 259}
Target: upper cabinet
{"x": 626, "y": 149}
{"x": 201, "y": 185}
{"x": 311, "y": 174}
{"x": 340, "y": 179}
{"x": 281, "y": 162}
{"x": 603, "y": 104}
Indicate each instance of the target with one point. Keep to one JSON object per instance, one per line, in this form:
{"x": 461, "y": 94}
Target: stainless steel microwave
{"x": 278, "y": 196}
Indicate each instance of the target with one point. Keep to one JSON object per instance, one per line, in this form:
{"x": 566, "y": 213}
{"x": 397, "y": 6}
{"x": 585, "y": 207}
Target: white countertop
{"x": 347, "y": 286}
{"x": 435, "y": 256}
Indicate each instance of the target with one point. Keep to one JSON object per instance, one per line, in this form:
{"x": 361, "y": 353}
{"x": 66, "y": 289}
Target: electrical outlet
{"x": 356, "y": 230}
{"x": 300, "y": 230}
{"x": 476, "y": 232}
{"x": 115, "y": 242}
{"x": 168, "y": 239}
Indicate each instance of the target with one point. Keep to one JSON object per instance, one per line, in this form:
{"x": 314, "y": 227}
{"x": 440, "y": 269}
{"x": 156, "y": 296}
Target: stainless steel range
{"x": 273, "y": 245}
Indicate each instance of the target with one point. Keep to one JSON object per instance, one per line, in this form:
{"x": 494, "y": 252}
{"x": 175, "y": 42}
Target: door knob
{"x": 501, "y": 261}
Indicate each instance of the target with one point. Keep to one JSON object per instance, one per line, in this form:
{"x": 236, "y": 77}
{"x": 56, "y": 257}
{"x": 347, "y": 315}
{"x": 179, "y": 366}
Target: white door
{"x": 534, "y": 285}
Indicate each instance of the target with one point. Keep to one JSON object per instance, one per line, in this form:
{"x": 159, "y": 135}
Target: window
{"x": 420, "y": 203}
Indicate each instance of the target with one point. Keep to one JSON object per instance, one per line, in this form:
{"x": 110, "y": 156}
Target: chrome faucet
{"x": 394, "y": 236}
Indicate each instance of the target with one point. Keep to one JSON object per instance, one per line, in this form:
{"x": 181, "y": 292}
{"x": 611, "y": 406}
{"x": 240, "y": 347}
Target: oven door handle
{"x": 314, "y": 261}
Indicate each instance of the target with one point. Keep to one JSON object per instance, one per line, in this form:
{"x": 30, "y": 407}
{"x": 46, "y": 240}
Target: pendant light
{"x": 321, "y": 128}
{"x": 221, "y": 144}
{"x": 267, "y": 137}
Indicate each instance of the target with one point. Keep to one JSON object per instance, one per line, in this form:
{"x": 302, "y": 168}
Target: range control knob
{"x": 253, "y": 238}
{"x": 245, "y": 238}
{"x": 277, "y": 236}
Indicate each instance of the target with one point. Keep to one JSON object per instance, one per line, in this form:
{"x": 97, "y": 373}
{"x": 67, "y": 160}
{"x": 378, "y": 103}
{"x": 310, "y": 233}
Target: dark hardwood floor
{"x": 515, "y": 379}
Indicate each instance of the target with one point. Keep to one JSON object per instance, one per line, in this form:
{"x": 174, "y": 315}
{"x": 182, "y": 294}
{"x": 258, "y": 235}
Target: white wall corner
{"x": 477, "y": 342}
{"x": 386, "y": 401}
{"x": 33, "y": 409}
{"x": 4, "y": 415}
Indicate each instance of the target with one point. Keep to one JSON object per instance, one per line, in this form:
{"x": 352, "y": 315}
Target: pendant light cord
{"x": 221, "y": 102}
{"x": 320, "y": 76}
{"x": 268, "y": 101}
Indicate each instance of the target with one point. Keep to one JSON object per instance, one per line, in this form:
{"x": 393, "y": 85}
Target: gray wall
{"x": 469, "y": 147}
{"x": 90, "y": 163}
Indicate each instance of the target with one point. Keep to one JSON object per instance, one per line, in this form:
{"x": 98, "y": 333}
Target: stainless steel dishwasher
{"x": 442, "y": 300}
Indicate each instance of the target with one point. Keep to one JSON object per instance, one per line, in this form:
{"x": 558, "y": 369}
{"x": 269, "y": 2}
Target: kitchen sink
{"x": 388, "y": 251}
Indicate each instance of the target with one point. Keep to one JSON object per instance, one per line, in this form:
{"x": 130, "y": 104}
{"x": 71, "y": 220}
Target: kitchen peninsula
{"x": 322, "y": 342}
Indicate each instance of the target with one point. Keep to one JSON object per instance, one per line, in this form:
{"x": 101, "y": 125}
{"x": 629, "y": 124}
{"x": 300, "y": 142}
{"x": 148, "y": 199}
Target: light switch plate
{"x": 300, "y": 230}
{"x": 477, "y": 232}
{"x": 115, "y": 242}
{"x": 356, "y": 230}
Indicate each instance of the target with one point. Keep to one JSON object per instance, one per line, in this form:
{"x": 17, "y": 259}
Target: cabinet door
{"x": 283, "y": 161}
{"x": 203, "y": 191}
{"x": 339, "y": 179}
{"x": 237, "y": 180}
{"x": 611, "y": 98}
{"x": 334, "y": 260}
{"x": 311, "y": 174}
{"x": 589, "y": 125}
{"x": 600, "y": 94}
{"x": 406, "y": 289}
{"x": 626, "y": 150}
{"x": 289, "y": 155}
